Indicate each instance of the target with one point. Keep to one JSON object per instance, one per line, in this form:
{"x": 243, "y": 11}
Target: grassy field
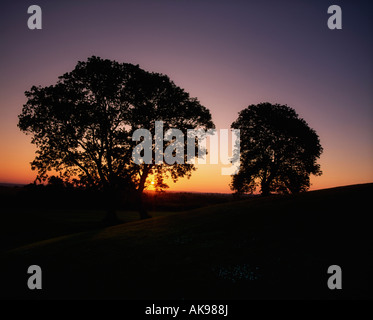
{"x": 270, "y": 247}
{"x": 23, "y": 226}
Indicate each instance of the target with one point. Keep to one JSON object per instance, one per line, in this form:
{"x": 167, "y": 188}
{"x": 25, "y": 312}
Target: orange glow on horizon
{"x": 15, "y": 168}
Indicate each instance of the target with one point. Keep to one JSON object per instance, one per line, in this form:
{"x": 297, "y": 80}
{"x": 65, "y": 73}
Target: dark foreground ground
{"x": 278, "y": 247}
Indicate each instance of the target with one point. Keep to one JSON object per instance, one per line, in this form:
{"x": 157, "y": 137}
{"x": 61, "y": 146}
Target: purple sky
{"x": 228, "y": 54}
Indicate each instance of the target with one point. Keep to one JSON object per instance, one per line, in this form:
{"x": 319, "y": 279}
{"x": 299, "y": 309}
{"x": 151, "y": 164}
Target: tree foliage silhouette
{"x": 278, "y": 152}
{"x": 83, "y": 125}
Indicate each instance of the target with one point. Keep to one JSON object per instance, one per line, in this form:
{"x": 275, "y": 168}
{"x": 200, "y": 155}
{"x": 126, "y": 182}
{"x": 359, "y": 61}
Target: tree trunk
{"x": 139, "y": 194}
{"x": 141, "y": 207}
{"x": 265, "y": 188}
{"x": 266, "y": 182}
{"x": 111, "y": 217}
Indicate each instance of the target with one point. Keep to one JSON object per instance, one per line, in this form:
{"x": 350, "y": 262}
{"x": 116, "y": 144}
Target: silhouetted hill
{"x": 267, "y": 247}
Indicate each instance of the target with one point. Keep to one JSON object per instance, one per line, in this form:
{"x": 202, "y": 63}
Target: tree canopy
{"x": 278, "y": 150}
{"x": 83, "y": 125}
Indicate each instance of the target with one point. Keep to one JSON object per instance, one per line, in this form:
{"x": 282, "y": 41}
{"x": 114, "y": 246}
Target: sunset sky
{"x": 228, "y": 54}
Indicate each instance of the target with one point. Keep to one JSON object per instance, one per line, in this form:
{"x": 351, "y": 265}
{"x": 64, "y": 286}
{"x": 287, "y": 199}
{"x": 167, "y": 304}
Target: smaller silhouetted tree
{"x": 278, "y": 151}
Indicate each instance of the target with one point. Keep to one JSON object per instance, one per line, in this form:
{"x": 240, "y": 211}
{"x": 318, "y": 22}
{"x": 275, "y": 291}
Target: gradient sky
{"x": 228, "y": 54}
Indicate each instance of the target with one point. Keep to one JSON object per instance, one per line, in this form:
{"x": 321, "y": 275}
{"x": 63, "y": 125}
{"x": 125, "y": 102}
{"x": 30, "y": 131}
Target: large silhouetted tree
{"x": 83, "y": 125}
{"x": 278, "y": 151}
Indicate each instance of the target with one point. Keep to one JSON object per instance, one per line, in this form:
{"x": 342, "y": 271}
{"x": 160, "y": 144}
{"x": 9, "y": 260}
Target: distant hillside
{"x": 267, "y": 247}
{"x": 4, "y": 184}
